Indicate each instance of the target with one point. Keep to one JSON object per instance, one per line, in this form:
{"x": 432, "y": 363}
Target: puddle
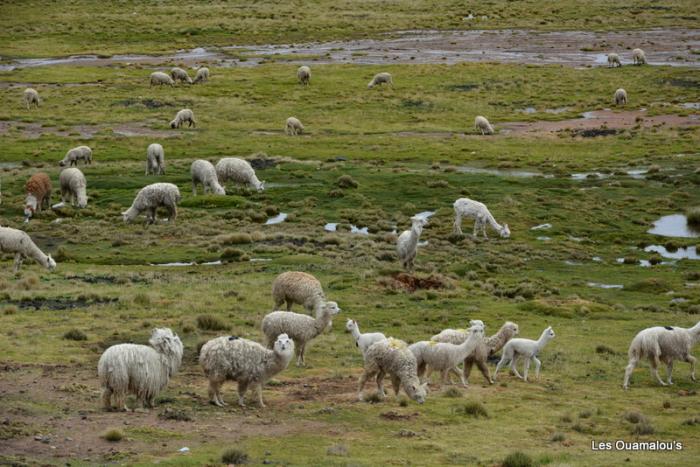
{"x": 589, "y": 175}
{"x": 645, "y": 263}
{"x": 501, "y": 173}
{"x": 558, "y": 110}
{"x": 10, "y": 165}
{"x": 572, "y": 263}
{"x": 184, "y": 264}
{"x": 597, "y": 259}
{"x": 544, "y": 239}
{"x": 61, "y": 303}
{"x": 260, "y": 260}
{"x": 675, "y": 225}
{"x": 331, "y": 227}
{"x": 427, "y": 46}
{"x": 132, "y": 130}
{"x": 359, "y": 230}
{"x": 425, "y": 215}
{"x": 639, "y": 174}
{"x": 679, "y": 300}
{"x": 278, "y": 219}
{"x": 691, "y": 105}
{"x": 598, "y": 285}
{"x": 690, "y": 252}
{"x": 541, "y": 227}
{"x": 528, "y": 110}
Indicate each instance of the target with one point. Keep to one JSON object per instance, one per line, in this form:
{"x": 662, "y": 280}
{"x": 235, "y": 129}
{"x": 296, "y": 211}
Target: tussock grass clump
{"x": 373, "y": 398}
{"x": 10, "y": 310}
{"x": 210, "y": 323}
{"x": 452, "y": 392}
{"x": 337, "y": 450}
{"x": 691, "y": 421}
{"x": 142, "y": 299}
{"x": 113, "y": 435}
{"x": 518, "y": 459}
{"x": 75, "y": 335}
{"x": 28, "y": 283}
{"x": 234, "y": 456}
{"x": 558, "y": 437}
{"x": 651, "y": 285}
{"x": 635, "y": 417}
{"x": 604, "y": 349}
{"x": 474, "y": 409}
{"x": 643, "y": 428}
{"x": 346, "y": 181}
{"x": 233, "y": 254}
{"x": 693, "y": 216}
{"x": 179, "y": 415}
{"x": 237, "y": 238}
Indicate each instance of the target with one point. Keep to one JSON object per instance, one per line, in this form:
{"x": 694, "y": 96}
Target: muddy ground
{"x": 673, "y": 47}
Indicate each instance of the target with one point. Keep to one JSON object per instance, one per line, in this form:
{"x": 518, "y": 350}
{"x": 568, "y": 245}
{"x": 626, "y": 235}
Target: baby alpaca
{"x": 247, "y": 362}
{"x": 407, "y": 243}
{"x": 363, "y": 341}
{"x": 381, "y": 78}
{"x": 465, "y": 207}
{"x": 293, "y": 127}
{"x": 620, "y": 97}
{"x": 31, "y": 97}
{"x": 391, "y": 356}
{"x": 526, "y": 348}
{"x": 663, "y": 344}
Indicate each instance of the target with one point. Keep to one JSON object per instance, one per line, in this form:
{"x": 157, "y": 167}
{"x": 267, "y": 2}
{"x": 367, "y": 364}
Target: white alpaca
{"x": 614, "y": 60}
{"x": 304, "y": 75}
{"x": 155, "y": 160}
{"x": 381, "y": 78}
{"x": 482, "y": 124}
{"x": 663, "y": 344}
{"x": 363, "y": 341}
{"x": 238, "y": 170}
{"x": 620, "y": 97}
{"x": 407, "y": 243}
{"x": 526, "y": 348}
{"x": 73, "y": 187}
{"x": 639, "y": 57}
{"x": 204, "y": 172}
{"x": 465, "y": 207}
{"x": 444, "y": 357}
{"x": 18, "y": 242}
{"x": 247, "y": 362}
{"x": 138, "y": 369}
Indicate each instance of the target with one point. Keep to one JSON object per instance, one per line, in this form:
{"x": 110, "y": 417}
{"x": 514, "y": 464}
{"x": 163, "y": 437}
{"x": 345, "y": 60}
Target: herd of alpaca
{"x": 145, "y": 371}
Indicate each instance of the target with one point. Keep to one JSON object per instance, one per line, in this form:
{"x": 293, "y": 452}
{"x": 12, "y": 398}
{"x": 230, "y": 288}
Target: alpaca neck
{"x": 542, "y": 341}
{"x": 38, "y": 255}
{"x": 355, "y": 332}
{"x": 498, "y": 340}
{"x": 695, "y": 333}
{"x": 469, "y": 344}
{"x": 492, "y": 222}
{"x": 321, "y": 322}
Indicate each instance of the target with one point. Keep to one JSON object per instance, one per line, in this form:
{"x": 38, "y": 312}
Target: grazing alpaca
{"x": 407, "y": 243}
{"x": 527, "y": 349}
{"x": 663, "y": 344}
{"x": 465, "y": 207}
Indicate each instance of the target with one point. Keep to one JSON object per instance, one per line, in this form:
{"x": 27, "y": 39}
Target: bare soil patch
{"x": 411, "y": 283}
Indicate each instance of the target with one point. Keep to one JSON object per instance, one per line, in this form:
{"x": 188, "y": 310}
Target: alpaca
{"x": 445, "y": 357}
{"x": 465, "y": 207}
{"x": 407, "y": 243}
{"x": 663, "y": 344}
{"x": 526, "y": 348}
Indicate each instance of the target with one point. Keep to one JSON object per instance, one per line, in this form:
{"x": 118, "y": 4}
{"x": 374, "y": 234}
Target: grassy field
{"x": 410, "y": 149}
{"x": 89, "y": 26}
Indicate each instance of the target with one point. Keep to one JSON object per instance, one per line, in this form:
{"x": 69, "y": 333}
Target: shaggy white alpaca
{"x": 18, "y": 242}
{"x": 235, "y": 359}
{"x": 526, "y": 348}
{"x": 663, "y": 344}
{"x": 465, "y": 207}
{"x": 407, "y": 243}
{"x": 139, "y": 369}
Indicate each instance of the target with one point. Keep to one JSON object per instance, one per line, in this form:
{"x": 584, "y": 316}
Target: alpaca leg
{"x": 527, "y": 368}
{"x": 628, "y": 371}
{"x": 690, "y": 359}
{"x": 300, "y": 358}
{"x": 242, "y": 388}
{"x": 428, "y": 372}
{"x": 396, "y": 383}
{"x": 538, "y": 365}
{"x": 484, "y": 371}
{"x": 18, "y": 262}
{"x": 443, "y": 377}
{"x": 215, "y": 393}
{"x": 476, "y": 227}
{"x": 513, "y": 367}
{"x": 258, "y": 391}
{"x": 369, "y": 372}
{"x": 457, "y": 226}
{"x": 500, "y": 364}
{"x": 107, "y": 398}
{"x": 669, "y": 372}
{"x": 654, "y": 361}
{"x": 456, "y": 372}
{"x": 380, "y": 384}
{"x": 194, "y": 189}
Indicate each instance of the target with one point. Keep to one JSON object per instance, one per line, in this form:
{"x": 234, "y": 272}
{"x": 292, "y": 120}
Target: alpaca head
{"x": 351, "y": 325}
{"x": 505, "y": 231}
{"x": 548, "y": 333}
{"x": 476, "y": 329}
{"x": 331, "y": 308}
{"x": 416, "y": 390}
{"x": 284, "y": 346}
{"x": 50, "y": 263}
{"x": 173, "y": 124}
{"x": 260, "y": 186}
{"x": 219, "y": 190}
{"x": 166, "y": 342}
{"x": 510, "y": 329}
{"x": 417, "y": 223}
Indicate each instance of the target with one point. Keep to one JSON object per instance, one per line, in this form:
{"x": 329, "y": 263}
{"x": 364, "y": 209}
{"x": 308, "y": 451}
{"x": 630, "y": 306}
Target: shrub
{"x": 693, "y": 216}
{"x": 210, "y": 323}
{"x": 142, "y": 299}
{"x": 650, "y": 285}
{"x": 75, "y": 335}
{"x": 346, "y": 181}
{"x": 10, "y": 310}
{"x": 643, "y": 428}
{"x": 452, "y": 392}
{"x": 518, "y": 459}
{"x": 474, "y": 409}
{"x": 237, "y": 239}
{"x": 233, "y": 254}
{"x": 173, "y": 414}
{"x": 113, "y": 435}
{"x": 635, "y": 417}
{"x": 557, "y": 437}
{"x": 604, "y": 349}
{"x": 234, "y": 456}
